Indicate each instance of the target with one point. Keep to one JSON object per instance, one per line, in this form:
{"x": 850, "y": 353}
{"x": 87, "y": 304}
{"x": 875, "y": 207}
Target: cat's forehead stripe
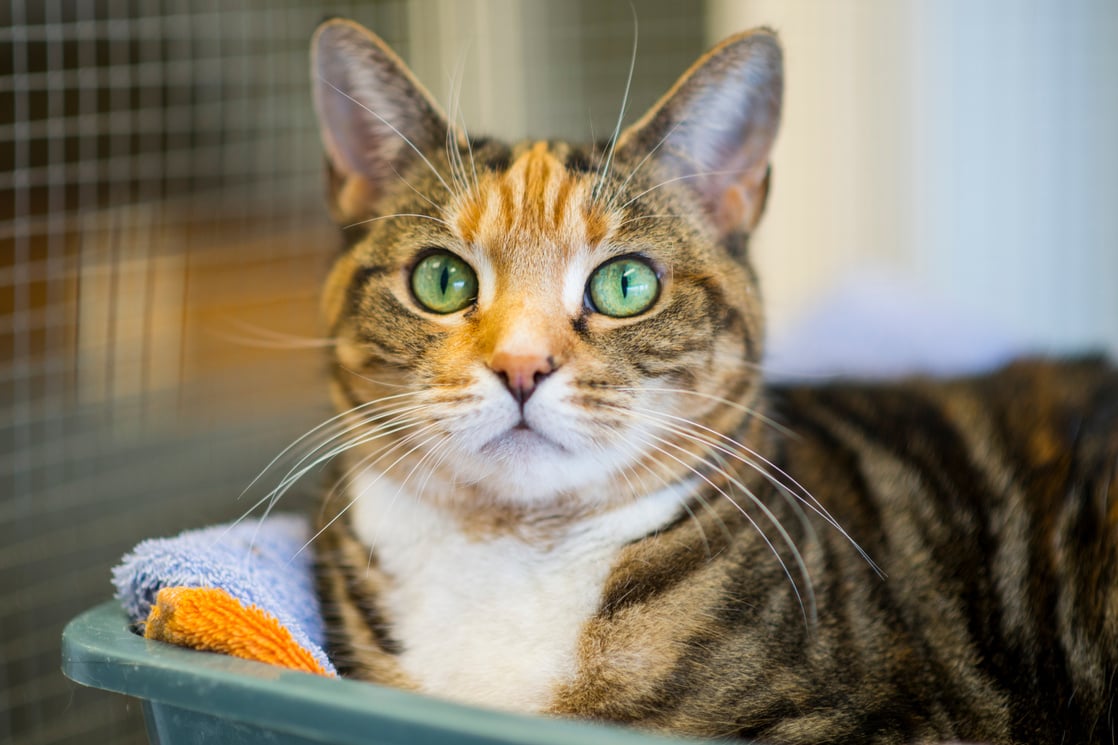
{"x": 533, "y": 181}
{"x": 536, "y": 196}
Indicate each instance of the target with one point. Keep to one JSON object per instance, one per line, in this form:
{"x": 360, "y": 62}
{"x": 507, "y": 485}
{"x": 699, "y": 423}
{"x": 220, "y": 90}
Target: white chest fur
{"x": 492, "y": 622}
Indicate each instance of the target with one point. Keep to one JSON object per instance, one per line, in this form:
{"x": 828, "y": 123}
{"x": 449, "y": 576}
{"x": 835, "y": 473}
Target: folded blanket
{"x": 245, "y": 590}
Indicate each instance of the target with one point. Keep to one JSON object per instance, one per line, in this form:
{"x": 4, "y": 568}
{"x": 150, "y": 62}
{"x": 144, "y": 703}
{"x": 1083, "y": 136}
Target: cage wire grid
{"x": 162, "y": 236}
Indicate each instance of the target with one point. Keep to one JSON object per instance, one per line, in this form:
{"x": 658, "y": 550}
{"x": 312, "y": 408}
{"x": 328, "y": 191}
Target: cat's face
{"x": 543, "y": 321}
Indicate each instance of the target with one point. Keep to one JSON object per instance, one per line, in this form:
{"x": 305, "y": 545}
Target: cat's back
{"x": 1041, "y": 431}
{"x": 991, "y": 504}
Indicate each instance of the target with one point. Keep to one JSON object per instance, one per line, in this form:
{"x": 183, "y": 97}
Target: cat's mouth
{"x": 521, "y": 439}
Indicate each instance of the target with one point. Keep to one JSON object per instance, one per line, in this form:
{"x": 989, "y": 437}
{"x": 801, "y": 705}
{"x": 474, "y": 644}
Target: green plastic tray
{"x": 195, "y": 697}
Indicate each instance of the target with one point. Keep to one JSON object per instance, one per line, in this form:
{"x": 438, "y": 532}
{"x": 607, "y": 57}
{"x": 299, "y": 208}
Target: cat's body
{"x": 565, "y": 488}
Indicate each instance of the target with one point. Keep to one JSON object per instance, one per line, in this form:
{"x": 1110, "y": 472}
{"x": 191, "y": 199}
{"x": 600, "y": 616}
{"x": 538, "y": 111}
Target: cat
{"x": 562, "y": 486}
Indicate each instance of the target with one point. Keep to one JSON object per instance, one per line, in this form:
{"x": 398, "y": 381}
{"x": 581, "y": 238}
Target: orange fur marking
{"x": 536, "y": 196}
{"x": 532, "y": 181}
{"x": 470, "y": 214}
{"x": 212, "y": 620}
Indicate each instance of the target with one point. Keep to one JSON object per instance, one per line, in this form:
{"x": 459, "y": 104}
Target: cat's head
{"x": 544, "y": 320}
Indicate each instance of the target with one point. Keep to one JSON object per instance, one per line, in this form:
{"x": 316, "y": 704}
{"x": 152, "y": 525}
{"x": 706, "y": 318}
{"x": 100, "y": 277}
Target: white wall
{"x": 968, "y": 149}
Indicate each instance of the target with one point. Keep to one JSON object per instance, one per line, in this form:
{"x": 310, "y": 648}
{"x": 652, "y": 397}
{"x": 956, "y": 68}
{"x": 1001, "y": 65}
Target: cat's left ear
{"x": 714, "y": 130}
{"x": 375, "y": 118}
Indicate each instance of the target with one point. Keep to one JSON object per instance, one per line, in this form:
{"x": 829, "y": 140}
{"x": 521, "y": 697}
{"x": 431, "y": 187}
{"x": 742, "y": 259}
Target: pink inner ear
{"x": 738, "y": 199}
{"x": 339, "y": 116}
{"x": 732, "y": 209}
{"x": 373, "y": 115}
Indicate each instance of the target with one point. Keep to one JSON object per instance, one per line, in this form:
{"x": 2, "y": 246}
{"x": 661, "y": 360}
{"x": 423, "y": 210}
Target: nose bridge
{"x": 522, "y": 325}
{"x": 524, "y": 342}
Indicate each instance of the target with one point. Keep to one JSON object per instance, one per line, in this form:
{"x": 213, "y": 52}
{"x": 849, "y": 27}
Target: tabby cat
{"x": 563, "y": 487}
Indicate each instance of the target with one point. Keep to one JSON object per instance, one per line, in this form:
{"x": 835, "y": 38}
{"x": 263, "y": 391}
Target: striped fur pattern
{"x": 538, "y": 506}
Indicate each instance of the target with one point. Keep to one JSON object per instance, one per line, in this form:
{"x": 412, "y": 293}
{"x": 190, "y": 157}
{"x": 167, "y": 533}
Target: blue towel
{"x": 260, "y": 563}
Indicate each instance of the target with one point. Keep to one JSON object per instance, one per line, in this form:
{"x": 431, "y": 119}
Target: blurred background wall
{"x": 162, "y": 233}
{"x": 966, "y": 152}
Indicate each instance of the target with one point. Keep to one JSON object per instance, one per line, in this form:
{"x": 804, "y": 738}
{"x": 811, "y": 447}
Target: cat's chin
{"x": 528, "y": 466}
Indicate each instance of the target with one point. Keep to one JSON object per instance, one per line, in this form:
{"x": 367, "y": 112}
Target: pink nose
{"x": 521, "y": 373}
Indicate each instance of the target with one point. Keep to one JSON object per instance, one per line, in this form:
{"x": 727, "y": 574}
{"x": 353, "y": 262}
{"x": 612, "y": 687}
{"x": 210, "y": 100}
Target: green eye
{"x": 623, "y": 287}
{"x": 443, "y": 283}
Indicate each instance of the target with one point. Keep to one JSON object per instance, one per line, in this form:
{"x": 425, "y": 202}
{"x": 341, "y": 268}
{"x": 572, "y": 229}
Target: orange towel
{"x": 210, "y": 619}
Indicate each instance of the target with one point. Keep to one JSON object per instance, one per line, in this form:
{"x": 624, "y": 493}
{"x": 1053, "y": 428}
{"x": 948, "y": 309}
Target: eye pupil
{"x": 625, "y": 285}
{"x": 444, "y": 279}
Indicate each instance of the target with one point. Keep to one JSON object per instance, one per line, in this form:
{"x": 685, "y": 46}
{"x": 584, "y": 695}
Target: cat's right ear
{"x": 714, "y": 130}
{"x": 373, "y": 115}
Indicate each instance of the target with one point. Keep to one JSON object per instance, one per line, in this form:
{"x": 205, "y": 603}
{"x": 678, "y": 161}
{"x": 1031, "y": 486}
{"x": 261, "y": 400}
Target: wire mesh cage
{"x": 157, "y": 177}
{"x": 162, "y": 236}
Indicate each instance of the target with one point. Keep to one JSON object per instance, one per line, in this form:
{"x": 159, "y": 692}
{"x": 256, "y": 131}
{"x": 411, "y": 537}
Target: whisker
{"x": 789, "y": 499}
{"x": 717, "y": 399}
{"x": 718, "y": 451}
{"x": 711, "y": 448}
{"x": 680, "y": 178}
{"x": 767, "y": 512}
{"x": 799, "y": 493}
{"x": 422, "y": 459}
{"x": 398, "y": 214}
{"x": 336, "y": 419}
{"x": 259, "y": 336}
{"x": 441, "y": 445}
{"x": 459, "y": 119}
{"x": 650, "y": 217}
{"x": 620, "y": 189}
{"x": 706, "y": 438}
{"x": 444, "y": 438}
{"x": 453, "y": 153}
{"x": 384, "y": 518}
{"x": 395, "y": 421}
{"x": 354, "y": 500}
{"x": 470, "y": 150}
{"x": 640, "y": 461}
{"x": 332, "y": 423}
{"x": 303, "y": 467}
{"x": 604, "y": 170}
{"x": 346, "y": 479}
{"x": 273, "y": 497}
{"x": 624, "y": 472}
{"x": 416, "y": 388}
{"x": 417, "y": 192}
